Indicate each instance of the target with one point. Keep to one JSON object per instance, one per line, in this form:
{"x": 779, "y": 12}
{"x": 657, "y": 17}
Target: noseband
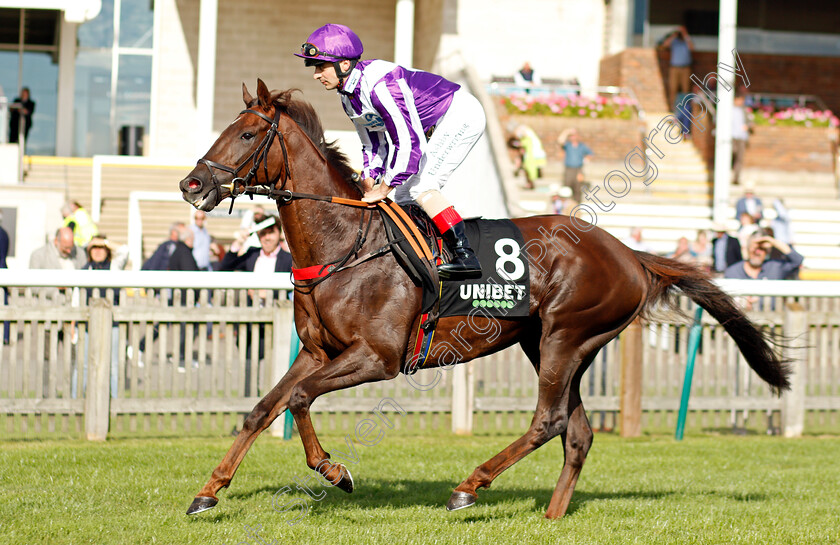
{"x": 257, "y": 157}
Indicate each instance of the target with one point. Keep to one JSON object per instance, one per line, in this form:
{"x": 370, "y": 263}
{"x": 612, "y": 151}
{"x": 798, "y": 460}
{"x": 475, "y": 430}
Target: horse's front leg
{"x": 356, "y": 365}
{"x": 262, "y": 415}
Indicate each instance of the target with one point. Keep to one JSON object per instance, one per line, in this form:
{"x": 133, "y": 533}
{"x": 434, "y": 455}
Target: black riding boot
{"x": 465, "y": 264}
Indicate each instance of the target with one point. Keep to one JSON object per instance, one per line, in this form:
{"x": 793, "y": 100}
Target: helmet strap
{"x": 342, "y": 74}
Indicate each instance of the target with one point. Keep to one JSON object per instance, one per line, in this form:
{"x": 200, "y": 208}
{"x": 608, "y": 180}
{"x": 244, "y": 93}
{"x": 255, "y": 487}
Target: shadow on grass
{"x": 405, "y": 494}
{"x": 734, "y": 432}
{"x": 738, "y": 496}
{"x": 267, "y": 489}
{"x": 215, "y": 516}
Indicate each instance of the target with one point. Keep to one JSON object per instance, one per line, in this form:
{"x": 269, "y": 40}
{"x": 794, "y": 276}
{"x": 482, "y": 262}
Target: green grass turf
{"x": 705, "y": 489}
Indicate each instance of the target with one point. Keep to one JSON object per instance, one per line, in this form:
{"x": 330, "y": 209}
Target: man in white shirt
{"x": 269, "y": 257}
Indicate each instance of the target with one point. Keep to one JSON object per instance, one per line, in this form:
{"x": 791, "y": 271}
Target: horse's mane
{"x": 307, "y": 119}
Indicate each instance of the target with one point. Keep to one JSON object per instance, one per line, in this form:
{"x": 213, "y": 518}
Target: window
{"x": 29, "y": 58}
{"x": 113, "y": 82}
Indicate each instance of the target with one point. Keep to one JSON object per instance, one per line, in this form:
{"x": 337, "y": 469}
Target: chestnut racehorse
{"x": 358, "y": 325}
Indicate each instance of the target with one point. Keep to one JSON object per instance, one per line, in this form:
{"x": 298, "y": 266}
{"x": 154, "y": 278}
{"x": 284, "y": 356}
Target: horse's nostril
{"x": 194, "y": 184}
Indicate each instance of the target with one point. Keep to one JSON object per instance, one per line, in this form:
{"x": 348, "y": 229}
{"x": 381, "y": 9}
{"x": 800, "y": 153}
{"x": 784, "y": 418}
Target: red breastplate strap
{"x": 309, "y": 273}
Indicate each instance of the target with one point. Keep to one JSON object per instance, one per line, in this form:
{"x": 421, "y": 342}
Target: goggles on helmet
{"x": 311, "y": 50}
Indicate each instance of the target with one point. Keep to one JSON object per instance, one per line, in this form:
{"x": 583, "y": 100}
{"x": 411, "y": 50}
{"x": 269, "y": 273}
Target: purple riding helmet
{"x": 332, "y": 43}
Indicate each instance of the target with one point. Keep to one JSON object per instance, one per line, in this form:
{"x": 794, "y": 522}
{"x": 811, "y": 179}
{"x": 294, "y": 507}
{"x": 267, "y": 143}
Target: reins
{"x": 322, "y": 272}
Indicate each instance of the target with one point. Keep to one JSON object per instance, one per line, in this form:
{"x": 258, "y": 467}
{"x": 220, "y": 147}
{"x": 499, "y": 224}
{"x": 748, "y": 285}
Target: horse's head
{"x": 239, "y": 156}
{"x": 243, "y": 154}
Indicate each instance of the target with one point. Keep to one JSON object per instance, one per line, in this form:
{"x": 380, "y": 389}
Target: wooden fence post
{"x": 282, "y": 322}
{"x": 463, "y": 399}
{"x": 97, "y": 391}
{"x": 631, "y": 380}
{"x": 793, "y": 402}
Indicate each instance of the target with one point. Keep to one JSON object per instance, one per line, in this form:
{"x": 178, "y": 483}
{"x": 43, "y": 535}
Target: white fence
{"x": 179, "y": 352}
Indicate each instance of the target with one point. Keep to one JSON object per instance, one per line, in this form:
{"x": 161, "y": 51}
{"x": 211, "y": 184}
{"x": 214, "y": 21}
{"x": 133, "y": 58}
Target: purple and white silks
{"x": 391, "y": 108}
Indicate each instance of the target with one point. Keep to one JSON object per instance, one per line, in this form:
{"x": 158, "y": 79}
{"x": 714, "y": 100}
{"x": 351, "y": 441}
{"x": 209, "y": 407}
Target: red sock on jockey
{"x": 446, "y": 219}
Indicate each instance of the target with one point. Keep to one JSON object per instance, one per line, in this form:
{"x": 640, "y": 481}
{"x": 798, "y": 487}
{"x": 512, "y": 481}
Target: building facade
{"x": 169, "y": 72}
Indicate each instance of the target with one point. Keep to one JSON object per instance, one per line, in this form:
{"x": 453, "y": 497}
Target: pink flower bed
{"x": 794, "y": 117}
{"x": 598, "y": 107}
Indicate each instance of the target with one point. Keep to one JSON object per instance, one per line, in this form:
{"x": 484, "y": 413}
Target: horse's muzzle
{"x": 200, "y": 194}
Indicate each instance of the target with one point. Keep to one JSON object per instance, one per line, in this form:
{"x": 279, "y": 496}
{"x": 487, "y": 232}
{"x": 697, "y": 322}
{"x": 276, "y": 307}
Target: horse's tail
{"x": 755, "y": 344}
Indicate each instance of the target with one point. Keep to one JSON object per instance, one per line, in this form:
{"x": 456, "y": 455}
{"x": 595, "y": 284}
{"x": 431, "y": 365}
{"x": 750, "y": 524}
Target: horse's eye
{"x": 247, "y": 136}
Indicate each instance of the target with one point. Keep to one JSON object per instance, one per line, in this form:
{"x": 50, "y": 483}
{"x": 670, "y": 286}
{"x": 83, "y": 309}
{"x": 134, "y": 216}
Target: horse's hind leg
{"x": 550, "y": 419}
{"x": 261, "y": 416}
{"x": 576, "y": 441}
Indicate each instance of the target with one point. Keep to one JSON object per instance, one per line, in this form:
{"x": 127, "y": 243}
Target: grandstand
{"x": 191, "y": 85}
{"x": 676, "y": 204}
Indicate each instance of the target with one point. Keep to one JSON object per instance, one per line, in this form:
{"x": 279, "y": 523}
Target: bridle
{"x": 258, "y": 157}
{"x": 240, "y": 186}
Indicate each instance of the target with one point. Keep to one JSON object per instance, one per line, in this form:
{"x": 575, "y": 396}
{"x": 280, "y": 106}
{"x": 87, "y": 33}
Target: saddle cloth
{"x": 504, "y": 288}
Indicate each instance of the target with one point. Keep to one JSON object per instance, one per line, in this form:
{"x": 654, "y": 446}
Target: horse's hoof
{"x": 201, "y": 503}
{"x": 346, "y": 482}
{"x": 460, "y": 500}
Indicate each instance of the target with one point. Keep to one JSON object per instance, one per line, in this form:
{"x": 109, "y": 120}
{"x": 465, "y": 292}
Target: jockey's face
{"x": 325, "y": 73}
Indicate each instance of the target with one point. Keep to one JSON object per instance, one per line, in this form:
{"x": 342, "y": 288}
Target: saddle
{"x": 417, "y": 247}
{"x": 502, "y": 291}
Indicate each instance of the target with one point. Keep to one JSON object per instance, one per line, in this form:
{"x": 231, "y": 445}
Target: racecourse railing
{"x": 97, "y": 353}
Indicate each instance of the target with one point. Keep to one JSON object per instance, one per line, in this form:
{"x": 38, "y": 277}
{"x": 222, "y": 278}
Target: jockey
{"x": 416, "y": 128}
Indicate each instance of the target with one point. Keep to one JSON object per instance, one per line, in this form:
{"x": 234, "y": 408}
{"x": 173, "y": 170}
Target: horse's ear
{"x": 263, "y": 94}
{"x": 246, "y": 96}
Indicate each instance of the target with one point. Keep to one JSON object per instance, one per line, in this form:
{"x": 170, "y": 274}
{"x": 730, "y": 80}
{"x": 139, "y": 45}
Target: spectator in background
{"x": 217, "y": 253}
{"x": 26, "y": 109}
{"x": 4, "y": 244}
{"x": 740, "y": 135}
{"x": 562, "y": 202}
{"x": 60, "y": 253}
{"x": 160, "y": 258}
{"x": 758, "y": 266}
{"x": 531, "y": 152}
{"x": 182, "y": 258}
{"x": 682, "y": 251}
{"x": 247, "y": 235}
{"x": 78, "y": 219}
{"x": 269, "y": 257}
{"x": 749, "y": 204}
{"x": 103, "y": 256}
{"x": 4, "y": 252}
{"x": 701, "y": 250}
{"x": 201, "y": 241}
{"x": 526, "y": 77}
{"x": 747, "y": 229}
{"x": 679, "y": 73}
{"x": 726, "y": 250}
{"x": 576, "y": 155}
{"x": 174, "y": 254}
{"x": 782, "y": 230}
{"x": 635, "y": 242}
{"x": 683, "y": 112}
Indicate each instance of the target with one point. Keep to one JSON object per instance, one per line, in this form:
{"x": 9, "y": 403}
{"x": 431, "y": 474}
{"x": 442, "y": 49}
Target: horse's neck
{"x": 318, "y": 232}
